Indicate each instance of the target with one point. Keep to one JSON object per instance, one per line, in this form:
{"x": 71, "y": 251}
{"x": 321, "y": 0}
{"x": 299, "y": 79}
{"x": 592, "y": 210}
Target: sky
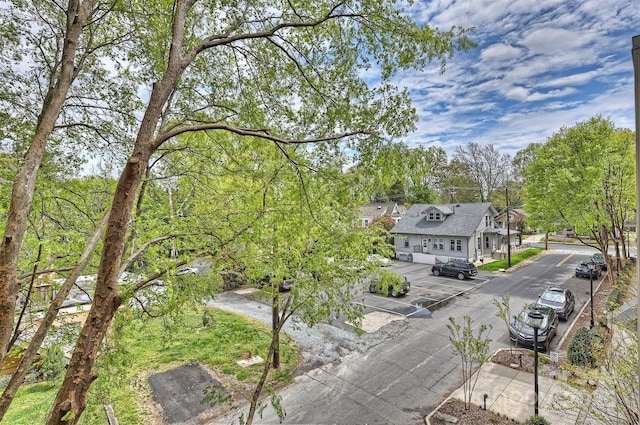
{"x": 540, "y": 65}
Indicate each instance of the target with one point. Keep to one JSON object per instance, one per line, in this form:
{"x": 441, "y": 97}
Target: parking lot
{"x": 428, "y": 292}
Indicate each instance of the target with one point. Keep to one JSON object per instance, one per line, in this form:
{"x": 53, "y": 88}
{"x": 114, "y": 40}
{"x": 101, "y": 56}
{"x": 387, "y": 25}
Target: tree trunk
{"x": 47, "y": 321}
{"x": 24, "y": 184}
{"x": 71, "y": 399}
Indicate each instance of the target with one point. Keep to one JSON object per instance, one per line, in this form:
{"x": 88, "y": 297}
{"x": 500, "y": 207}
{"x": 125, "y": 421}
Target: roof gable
{"x": 438, "y": 208}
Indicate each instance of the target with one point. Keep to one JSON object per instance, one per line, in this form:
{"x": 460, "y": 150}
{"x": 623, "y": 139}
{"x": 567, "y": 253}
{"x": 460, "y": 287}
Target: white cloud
{"x": 500, "y": 52}
{"x": 539, "y": 66}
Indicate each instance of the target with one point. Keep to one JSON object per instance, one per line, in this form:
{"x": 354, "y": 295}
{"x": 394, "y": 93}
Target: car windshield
{"x": 554, "y": 297}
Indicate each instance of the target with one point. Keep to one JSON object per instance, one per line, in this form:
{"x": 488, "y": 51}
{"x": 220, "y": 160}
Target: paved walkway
{"x": 510, "y": 392}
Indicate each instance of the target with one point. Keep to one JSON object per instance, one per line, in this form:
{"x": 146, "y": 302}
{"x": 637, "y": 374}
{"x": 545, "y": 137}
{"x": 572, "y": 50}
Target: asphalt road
{"x": 405, "y": 369}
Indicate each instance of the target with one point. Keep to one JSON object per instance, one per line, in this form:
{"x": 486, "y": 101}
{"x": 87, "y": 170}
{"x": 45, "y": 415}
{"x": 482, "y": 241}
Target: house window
{"x": 486, "y": 241}
{"x": 406, "y": 243}
{"x": 425, "y": 243}
{"x": 435, "y": 216}
{"x": 438, "y": 243}
{"x": 365, "y": 222}
{"x": 479, "y": 243}
{"x": 455, "y": 244}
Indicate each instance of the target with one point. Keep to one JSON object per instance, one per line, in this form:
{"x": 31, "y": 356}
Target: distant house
{"x": 371, "y": 212}
{"x": 516, "y": 219}
{"x": 430, "y": 233}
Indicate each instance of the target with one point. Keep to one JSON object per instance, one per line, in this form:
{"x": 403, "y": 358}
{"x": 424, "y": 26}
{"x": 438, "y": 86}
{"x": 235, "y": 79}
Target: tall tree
{"x": 457, "y": 184}
{"x": 284, "y": 73}
{"x": 394, "y": 170}
{"x": 59, "y": 73}
{"x": 486, "y": 167}
{"x": 583, "y": 176}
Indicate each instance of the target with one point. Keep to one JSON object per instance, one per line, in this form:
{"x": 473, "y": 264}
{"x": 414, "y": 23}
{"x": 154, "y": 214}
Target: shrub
{"x": 537, "y": 420}
{"x": 53, "y": 363}
{"x": 583, "y": 347}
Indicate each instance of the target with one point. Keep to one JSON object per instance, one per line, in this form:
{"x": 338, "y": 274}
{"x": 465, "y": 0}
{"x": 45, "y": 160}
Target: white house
{"x": 430, "y": 233}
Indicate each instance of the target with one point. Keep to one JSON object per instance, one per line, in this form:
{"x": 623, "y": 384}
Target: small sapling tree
{"x": 472, "y": 349}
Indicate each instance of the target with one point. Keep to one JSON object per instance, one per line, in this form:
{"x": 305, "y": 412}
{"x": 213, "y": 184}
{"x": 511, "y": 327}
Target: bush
{"x": 614, "y": 298}
{"x": 582, "y": 348}
{"x": 537, "y": 420}
{"x": 53, "y": 363}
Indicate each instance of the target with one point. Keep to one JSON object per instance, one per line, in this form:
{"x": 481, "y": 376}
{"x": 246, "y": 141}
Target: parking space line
{"x": 459, "y": 288}
{"x": 381, "y": 308}
{"x": 434, "y": 290}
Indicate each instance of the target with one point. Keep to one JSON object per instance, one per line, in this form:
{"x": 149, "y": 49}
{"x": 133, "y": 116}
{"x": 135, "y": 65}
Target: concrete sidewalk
{"x": 510, "y": 393}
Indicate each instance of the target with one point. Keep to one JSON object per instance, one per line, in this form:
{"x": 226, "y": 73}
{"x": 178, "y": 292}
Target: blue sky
{"x": 539, "y": 66}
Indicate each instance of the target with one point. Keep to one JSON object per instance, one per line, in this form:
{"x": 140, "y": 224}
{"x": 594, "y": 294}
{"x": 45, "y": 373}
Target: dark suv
{"x": 559, "y": 299}
{"x": 461, "y": 269}
{"x": 598, "y": 258}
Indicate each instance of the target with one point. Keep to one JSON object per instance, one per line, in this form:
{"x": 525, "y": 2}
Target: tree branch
{"x": 263, "y": 134}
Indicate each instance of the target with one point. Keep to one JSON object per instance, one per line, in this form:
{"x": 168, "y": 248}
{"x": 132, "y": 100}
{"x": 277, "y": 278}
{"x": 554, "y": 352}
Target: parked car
{"x": 582, "y": 270}
{"x": 379, "y": 260}
{"x": 389, "y": 283}
{"x": 521, "y": 332}
{"x": 284, "y": 285}
{"x": 559, "y": 299}
{"x": 459, "y": 268}
{"x": 184, "y": 269}
{"x": 598, "y": 258}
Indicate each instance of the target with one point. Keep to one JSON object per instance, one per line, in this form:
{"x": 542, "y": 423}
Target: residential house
{"x": 516, "y": 219}
{"x": 371, "y": 212}
{"x": 430, "y": 233}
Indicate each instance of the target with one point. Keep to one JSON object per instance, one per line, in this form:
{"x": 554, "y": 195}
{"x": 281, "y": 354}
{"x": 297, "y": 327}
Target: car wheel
{"x": 394, "y": 293}
{"x": 372, "y": 289}
{"x": 461, "y": 276}
{"x": 436, "y": 272}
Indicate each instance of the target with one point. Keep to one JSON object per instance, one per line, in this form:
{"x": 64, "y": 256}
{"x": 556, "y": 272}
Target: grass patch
{"x": 495, "y": 266}
{"x": 138, "y": 348}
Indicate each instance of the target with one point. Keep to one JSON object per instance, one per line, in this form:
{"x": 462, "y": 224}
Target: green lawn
{"x": 140, "y": 347}
{"x": 494, "y": 266}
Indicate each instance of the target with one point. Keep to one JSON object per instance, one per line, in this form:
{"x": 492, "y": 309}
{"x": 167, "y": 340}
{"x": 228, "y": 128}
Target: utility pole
{"x": 506, "y": 196}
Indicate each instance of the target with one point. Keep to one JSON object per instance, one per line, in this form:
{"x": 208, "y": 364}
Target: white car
{"x": 186, "y": 270}
{"x": 382, "y": 261}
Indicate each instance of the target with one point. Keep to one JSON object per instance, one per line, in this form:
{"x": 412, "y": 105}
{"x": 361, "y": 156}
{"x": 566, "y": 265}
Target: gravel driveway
{"x": 321, "y": 344}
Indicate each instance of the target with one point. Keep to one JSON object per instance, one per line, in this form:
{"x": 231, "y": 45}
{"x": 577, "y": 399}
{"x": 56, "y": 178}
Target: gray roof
{"x": 463, "y": 220}
{"x": 379, "y": 209}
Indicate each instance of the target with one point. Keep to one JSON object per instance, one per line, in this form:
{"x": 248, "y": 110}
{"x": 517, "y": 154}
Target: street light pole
{"x": 506, "y": 196}
{"x": 535, "y": 320}
{"x": 635, "y": 56}
{"x": 592, "y": 266}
